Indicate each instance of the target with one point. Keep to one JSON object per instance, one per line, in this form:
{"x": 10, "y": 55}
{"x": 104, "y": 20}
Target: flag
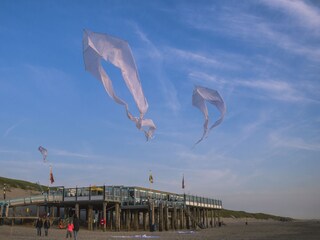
{"x": 51, "y": 176}
{"x": 183, "y": 182}
{"x": 44, "y": 152}
{"x": 150, "y": 178}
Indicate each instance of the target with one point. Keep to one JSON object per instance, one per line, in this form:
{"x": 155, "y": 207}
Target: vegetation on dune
{"x": 242, "y": 214}
{"x": 14, "y": 183}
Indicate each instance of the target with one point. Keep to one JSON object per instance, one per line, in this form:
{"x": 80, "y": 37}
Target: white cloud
{"x": 66, "y": 153}
{"x": 258, "y": 31}
{"x": 305, "y": 14}
{"x": 199, "y": 58}
{"x": 155, "y": 57}
{"x": 294, "y": 142}
{"x": 10, "y": 129}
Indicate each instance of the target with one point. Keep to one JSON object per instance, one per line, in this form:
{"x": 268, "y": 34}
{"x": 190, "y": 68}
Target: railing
{"x": 127, "y": 196}
{"x": 34, "y": 199}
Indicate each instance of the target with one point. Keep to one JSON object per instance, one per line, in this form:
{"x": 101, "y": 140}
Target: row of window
{"x": 130, "y": 194}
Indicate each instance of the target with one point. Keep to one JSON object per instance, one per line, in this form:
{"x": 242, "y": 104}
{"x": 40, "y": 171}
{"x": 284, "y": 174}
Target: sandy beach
{"x": 233, "y": 230}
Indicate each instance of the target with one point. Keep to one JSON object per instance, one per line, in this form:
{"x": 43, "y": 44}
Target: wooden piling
{"x": 104, "y": 215}
{"x": 160, "y": 217}
{"x": 77, "y": 210}
{"x": 90, "y": 217}
{"x": 117, "y": 217}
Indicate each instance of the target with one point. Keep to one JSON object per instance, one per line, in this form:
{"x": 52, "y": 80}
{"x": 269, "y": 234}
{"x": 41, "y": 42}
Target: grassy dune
{"x": 14, "y": 183}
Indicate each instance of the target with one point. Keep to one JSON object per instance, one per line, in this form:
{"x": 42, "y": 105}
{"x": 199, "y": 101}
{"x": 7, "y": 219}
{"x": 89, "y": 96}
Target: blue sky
{"x": 262, "y": 56}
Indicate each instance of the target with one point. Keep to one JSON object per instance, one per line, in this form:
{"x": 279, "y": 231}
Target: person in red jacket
{"x": 69, "y": 230}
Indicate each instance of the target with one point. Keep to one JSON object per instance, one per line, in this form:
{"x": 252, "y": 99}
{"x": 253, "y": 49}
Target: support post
{"x": 145, "y": 228}
{"x": 166, "y": 217}
{"x": 160, "y": 217}
{"x": 104, "y": 215}
{"x": 38, "y": 211}
{"x": 14, "y": 215}
{"x": 136, "y": 219}
{"x": 128, "y": 219}
{"x": 117, "y": 216}
{"x": 188, "y": 217}
{"x": 151, "y": 215}
{"x": 195, "y": 216}
{"x": 182, "y": 219}
{"x": 90, "y": 217}
{"x": 77, "y": 210}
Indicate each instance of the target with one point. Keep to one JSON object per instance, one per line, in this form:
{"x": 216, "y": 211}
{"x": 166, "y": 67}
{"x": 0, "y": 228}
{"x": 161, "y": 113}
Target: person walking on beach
{"x": 76, "y": 226}
{"x": 69, "y": 230}
{"x": 39, "y": 224}
{"x": 46, "y": 226}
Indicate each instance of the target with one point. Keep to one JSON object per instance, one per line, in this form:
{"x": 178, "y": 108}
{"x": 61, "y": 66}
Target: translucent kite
{"x": 199, "y": 98}
{"x": 97, "y": 46}
{"x": 44, "y": 153}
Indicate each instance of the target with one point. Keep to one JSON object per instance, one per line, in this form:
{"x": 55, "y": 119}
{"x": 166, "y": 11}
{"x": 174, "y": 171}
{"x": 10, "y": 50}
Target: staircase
{"x": 189, "y": 214}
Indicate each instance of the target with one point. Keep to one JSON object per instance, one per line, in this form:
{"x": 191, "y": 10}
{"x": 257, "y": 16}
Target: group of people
{"x": 45, "y": 224}
{"x": 72, "y": 227}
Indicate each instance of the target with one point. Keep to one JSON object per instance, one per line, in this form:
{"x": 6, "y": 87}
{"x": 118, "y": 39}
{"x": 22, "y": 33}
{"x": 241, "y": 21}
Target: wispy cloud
{"x": 198, "y": 58}
{"x": 272, "y": 89}
{"x": 11, "y": 128}
{"x": 305, "y": 14}
{"x": 66, "y": 153}
{"x": 231, "y": 22}
{"x": 293, "y": 142}
{"x": 155, "y": 57}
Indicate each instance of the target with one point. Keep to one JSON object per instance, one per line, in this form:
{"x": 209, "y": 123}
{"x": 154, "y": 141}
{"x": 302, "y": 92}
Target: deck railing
{"x": 125, "y": 195}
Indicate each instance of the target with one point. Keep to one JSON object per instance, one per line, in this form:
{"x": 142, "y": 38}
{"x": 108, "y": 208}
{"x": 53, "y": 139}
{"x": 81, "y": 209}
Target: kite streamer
{"x": 97, "y": 46}
{"x": 199, "y": 98}
{"x": 51, "y": 176}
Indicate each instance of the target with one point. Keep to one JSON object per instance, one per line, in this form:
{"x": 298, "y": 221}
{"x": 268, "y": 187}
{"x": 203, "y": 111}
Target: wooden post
{"x": 128, "y": 219}
{"x": 104, "y": 215}
{"x": 160, "y": 217}
{"x": 136, "y": 219}
{"x": 203, "y": 217}
{"x": 77, "y": 210}
{"x": 7, "y": 211}
{"x": 166, "y": 217}
{"x": 1, "y": 211}
{"x": 188, "y": 218}
{"x": 38, "y": 211}
{"x": 214, "y": 220}
{"x": 58, "y": 211}
{"x": 182, "y": 219}
{"x": 151, "y": 215}
{"x": 52, "y": 212}
{"x": 207, "y": 218}
{"x": 14, "y": 214}
{"x": 117, "y": 216}
{"x": 90, "y": 217}
{"x": 174, "y": 217}
{"x": 145, "y": 227}
{"x": 195, "y": 216}
{"x": 211, "y": 216}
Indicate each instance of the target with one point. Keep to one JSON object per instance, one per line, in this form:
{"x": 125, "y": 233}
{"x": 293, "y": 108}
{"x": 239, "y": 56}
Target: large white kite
{"x": 199, "y": 98}
{"x": 97, "y": 46}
